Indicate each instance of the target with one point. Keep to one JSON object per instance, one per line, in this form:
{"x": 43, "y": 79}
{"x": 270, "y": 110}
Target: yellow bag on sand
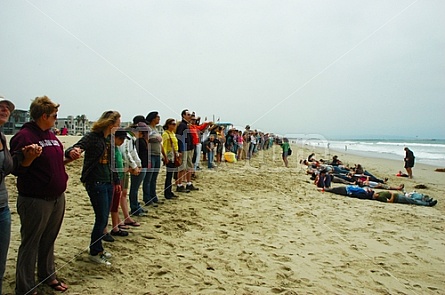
{"x": 230, "y": 157}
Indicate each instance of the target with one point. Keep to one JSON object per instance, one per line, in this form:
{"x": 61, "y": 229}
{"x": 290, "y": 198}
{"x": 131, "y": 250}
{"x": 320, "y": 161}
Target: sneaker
{"x": 107, "y": 254}
{"x": 433, "y": 203}
{"x": 192, "y": 188}
{"x": 151, "y": 203}
{"x": 120, "y": 233}
{"x": 139, "y": 213}
{"x": 99, "y": 259}
{"x": 182, "y": 189}
{"x": 108, "y": 238}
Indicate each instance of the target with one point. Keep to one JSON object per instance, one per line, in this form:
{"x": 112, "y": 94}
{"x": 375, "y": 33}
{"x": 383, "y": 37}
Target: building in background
{"x": 15, "y": 122}
{"x": 70, "y": 125}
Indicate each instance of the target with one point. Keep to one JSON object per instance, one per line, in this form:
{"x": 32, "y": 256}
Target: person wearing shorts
{"x": 186, "y": 150}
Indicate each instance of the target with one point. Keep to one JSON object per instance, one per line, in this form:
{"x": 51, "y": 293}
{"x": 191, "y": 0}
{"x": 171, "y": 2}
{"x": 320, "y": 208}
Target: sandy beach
{"x": 258, "y": 228}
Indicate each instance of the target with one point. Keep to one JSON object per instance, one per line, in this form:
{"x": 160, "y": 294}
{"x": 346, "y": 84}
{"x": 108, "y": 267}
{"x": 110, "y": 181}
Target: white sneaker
{"x": 99, "y": 259}
{"x": 107, "y": 254}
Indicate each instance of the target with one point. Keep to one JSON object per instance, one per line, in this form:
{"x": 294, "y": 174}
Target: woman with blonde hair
{"x": 98, "y": 177}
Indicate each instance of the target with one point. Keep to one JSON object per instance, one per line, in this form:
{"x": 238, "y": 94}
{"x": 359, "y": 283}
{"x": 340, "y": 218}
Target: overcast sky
{"x": 343, "y": 68}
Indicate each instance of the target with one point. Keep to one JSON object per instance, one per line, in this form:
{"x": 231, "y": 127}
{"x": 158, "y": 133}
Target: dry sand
{"x": 258, "y": 228}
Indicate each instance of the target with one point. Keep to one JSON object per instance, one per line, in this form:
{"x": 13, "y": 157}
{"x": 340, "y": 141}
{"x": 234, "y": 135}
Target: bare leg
{"x": 124, "y": 207}
{"x": 410, "y": 172}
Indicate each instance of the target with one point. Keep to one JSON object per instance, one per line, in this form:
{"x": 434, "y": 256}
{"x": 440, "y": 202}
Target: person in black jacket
{"x": 409, "y": 162}
{"x": 98, "y": 177}
{"x": 186, "y": 149}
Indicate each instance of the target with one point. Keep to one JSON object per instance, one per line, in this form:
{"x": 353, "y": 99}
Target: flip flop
{"x": 133, "y": 223}
{"x": 58, "y": 286}
{"x": 123, "y": 226}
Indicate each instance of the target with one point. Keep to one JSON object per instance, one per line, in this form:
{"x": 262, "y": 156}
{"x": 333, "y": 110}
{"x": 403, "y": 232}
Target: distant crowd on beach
{"x": 356, "y": 182}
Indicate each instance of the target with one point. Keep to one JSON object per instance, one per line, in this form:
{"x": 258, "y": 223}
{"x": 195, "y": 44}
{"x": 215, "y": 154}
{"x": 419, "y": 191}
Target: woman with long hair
{"x": 98, "y": 177}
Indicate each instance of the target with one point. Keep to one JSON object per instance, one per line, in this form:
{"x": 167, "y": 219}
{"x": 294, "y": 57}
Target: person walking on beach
{"x": 409, "y": 162}
{"x": 6, "y": 108}
{"x": 41, "y": 184}
{"x": 98, "y": 177}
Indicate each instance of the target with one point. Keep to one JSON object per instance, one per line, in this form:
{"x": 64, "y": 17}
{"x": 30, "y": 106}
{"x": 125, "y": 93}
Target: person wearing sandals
{"x": 6, "y": 108}
{"x": 98, "y": 177}
{"x": 132, "y": 166}
{"x": 119, "y": 138}
{"x": 170, "y": 144}
{"x": 41, "y": 184}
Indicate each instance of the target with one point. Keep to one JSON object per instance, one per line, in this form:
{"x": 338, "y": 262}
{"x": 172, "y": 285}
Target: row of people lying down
{"x": 354, "y": 191}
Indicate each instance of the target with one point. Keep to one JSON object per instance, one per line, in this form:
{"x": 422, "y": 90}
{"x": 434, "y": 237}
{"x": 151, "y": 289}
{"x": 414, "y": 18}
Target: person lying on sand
{"x": 413, "y": 198}
{"x": 373, "y": 184}
{"x": 354, "y": 191}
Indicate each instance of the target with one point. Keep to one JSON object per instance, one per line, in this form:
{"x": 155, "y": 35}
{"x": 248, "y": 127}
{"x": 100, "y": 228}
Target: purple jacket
{"x": 46, "y": 177}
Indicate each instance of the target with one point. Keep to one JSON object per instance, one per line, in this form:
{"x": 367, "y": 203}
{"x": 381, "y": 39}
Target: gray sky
{"x": 341, "y": 68}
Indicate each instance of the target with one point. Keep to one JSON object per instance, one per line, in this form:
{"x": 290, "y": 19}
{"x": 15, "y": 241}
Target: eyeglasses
{"x": 53, "y": 115}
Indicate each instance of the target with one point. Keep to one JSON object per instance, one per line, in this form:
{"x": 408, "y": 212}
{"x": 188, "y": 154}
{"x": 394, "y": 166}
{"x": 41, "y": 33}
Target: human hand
{"x": 75, "y": 153}
{"x": 32, "y": 151}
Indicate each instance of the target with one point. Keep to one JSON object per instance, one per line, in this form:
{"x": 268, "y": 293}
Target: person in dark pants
{"x": 409, "y": 162}
{"x": 98, "y": 177}
{"x": 170, "y": 145}
{"x": 41, "y": 183}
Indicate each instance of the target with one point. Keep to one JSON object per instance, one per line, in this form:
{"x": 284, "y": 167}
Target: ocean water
{"x": 430, "y": 152}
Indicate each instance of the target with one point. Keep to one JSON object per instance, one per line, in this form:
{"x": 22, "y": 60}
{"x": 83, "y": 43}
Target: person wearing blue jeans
{"x": 6, "y": 107}
{"x": 155, "y": 150}
{"x": 98, "y": 177}
{"x": 209, "y": 147}
{"x": 5, "y": 237}
{"x": 136, "y": 181}
{"x": 150, "y": 180}
{"x": 101, "y": 194}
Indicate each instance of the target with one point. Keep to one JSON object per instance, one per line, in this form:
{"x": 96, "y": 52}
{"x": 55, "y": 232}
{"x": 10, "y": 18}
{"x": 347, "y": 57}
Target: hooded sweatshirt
{"x": 46, "y": 177}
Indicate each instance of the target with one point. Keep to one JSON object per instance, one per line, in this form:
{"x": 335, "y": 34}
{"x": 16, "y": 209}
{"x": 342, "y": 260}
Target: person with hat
{"x": 132, "y": 166}
{"x": 6, "y": 108}
{"x": 140, "y": 129}
{"x": 41, "y": 183}
{"x": 119, "y": 138}
{"x": 155, "y": 152}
